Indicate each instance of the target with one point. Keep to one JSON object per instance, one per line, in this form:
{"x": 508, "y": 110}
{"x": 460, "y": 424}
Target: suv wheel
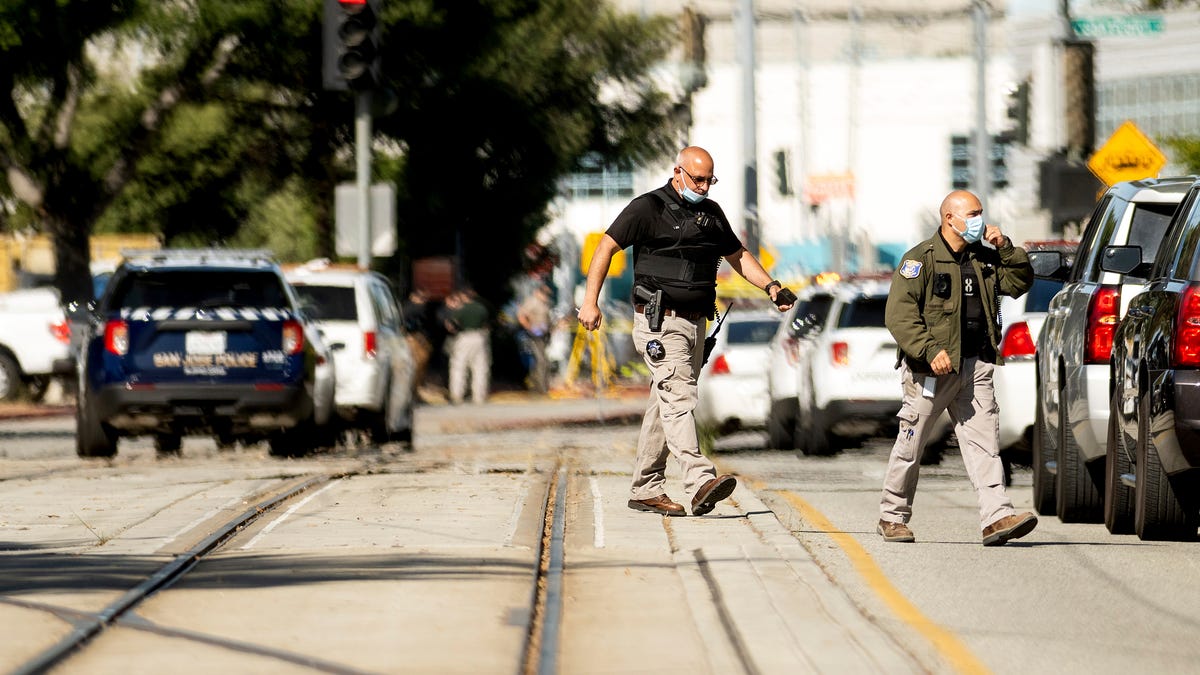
{"x": 819, "y": 439}
{"x": 1076, "y": 484}
{"x": 1118, "y": 507}
{"x": 780, "y": 423}
{"x": 1158, "y": 513}
{"x": 295, "y": 442}
{"x": 168, "y": 444}
{"x": 92, "y": 437}
{"x": 11, "y": 386}
{"x": 1044, "y": 501}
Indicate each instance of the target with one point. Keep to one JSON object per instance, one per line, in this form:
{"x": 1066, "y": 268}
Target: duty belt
{"x": 690, "y": 316}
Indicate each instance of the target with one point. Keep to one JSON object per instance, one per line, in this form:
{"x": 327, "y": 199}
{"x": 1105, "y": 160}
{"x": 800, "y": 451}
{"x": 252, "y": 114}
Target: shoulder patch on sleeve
{"x": 910, "y": 268}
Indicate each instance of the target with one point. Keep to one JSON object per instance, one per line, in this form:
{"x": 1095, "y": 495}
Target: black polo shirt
{"x": 667, "y": 225}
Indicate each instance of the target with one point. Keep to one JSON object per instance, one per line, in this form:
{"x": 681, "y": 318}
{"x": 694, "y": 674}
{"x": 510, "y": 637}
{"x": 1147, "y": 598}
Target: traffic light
{"x": 782, "y": 185}
{"x": 351, "y": 57}
{"x": 1018, "y": 112}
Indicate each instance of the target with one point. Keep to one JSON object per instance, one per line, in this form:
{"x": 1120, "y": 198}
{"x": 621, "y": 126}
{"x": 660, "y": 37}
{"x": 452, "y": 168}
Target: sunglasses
{"x": 703, "y": 180}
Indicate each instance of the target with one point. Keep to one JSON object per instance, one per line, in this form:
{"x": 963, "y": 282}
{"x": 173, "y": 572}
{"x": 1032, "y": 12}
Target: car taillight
{"x": 61, "y": 330}
{"x": 1103, "y": 316}
{"x": 791, "y": 350}
{"x": 1017, "y": 342}
{"x": 1186, "y": 350}
{"x": 116, "y": 337}
{"x": 720, "y": 366}
{"x": 841, "y": 354}
{"x": 369, "y": 344}
{"x": 293, "y": 337}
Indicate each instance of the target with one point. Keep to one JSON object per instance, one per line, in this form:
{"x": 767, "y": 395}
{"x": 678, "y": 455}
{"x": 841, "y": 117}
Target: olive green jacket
{"x": 923, "y": 323}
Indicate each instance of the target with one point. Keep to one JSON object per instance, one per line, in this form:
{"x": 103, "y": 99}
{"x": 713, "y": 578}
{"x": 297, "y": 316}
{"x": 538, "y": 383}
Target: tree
{"x": 220, "y": 130}
{"x": 1186, "y": 152}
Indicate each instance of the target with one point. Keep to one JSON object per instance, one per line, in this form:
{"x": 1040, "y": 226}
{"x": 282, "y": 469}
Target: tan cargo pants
{"x": 970, "y": 399}
{"x": 669, "y": 425}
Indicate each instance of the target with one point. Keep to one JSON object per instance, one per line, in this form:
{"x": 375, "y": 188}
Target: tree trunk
{"x": 72, "y": 258}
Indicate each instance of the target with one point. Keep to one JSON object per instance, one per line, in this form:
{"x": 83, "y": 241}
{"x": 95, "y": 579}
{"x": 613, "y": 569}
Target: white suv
{"x": 361, "y": 322}
{"x": 800, "y": 325}
{"x": 849, "y": 375}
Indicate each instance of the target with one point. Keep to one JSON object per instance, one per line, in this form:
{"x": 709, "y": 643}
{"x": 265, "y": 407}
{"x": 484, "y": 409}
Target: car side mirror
{"x": 1124, "y": 260}
{"x": 1049, "y": 265}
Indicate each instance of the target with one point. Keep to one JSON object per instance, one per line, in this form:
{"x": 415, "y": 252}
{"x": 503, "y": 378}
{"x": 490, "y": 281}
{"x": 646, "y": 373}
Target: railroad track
{"x": 541, "y": 635}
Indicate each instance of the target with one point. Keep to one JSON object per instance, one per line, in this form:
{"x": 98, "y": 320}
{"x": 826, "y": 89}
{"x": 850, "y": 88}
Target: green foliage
{"x": 1185, "y": 151}
{"x": 206, "y": 121}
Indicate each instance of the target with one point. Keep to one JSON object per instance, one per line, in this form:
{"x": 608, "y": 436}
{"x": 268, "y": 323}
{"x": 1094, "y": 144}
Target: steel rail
{"x": 164, "y": 577}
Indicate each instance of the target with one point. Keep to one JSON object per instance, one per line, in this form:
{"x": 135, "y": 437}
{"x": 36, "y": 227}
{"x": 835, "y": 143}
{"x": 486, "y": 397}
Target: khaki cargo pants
{"x": 970, "y": 399}
{"x": 669, "y": 425}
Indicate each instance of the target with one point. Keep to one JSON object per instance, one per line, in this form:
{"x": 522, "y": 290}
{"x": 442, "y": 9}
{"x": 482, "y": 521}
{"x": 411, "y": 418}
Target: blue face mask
{"x": 690, "y": 195}
{"x": 974, "y": 231}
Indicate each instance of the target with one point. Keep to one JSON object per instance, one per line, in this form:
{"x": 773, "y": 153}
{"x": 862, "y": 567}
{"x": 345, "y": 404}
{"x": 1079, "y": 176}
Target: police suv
{"x": 201, "y": 341}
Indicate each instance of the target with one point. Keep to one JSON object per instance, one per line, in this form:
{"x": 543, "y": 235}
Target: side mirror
{"x": 1049, "y": 265}
{"x": 1124, "y": 260}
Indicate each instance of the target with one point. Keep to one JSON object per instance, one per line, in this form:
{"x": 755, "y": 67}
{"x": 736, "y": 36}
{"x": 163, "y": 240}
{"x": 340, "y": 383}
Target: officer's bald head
{"x": 958, "y": 203}
{"x": 695, "y": 160}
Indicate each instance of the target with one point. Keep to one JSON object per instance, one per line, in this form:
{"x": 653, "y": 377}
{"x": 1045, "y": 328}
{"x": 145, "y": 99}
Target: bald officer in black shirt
{"x": 678, "y": 238}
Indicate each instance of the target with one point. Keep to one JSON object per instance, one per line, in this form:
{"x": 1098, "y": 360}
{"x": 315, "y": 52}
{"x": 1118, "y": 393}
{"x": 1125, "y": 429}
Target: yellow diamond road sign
{"x": 1128, "y": 155}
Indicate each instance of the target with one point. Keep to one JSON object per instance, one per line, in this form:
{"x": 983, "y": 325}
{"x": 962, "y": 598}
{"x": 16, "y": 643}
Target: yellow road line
{"x": 946, "y": 642}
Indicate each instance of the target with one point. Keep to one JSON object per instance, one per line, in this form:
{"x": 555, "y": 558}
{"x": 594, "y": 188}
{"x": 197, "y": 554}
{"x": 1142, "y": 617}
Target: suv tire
{"x": 92, "y": 437}
{"x": 1118, "y": 506}
{"x": 781, "y": 421}
{"x": 1158, "y": 513}
{"x": 11, "y": 384}
{"x": 1044, "y": 501}
{"x": 1076, "y": 487}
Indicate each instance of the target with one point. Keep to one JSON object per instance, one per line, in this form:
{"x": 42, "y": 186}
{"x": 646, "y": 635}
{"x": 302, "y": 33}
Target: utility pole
{"x": 744, "y": 19}
{"x": 983, "y": 140}
{"x": 362, "y": 174}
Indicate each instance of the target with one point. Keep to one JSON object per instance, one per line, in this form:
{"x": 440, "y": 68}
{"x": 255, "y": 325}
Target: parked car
{"x": 1073, "y": 348}
{"x": 202, "y": 341}
{"x": 1152, "y": 471}
{"x": 361, "y": 321}
{"x": 1022, "y": 320}
{"x": 733, "y": 384}
{"x": 795, "y": 334}
{"x": 34, "y": 342}
{"x": 849, "y": 375}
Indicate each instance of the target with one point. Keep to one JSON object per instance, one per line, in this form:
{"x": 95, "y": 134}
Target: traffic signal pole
{"x": 362, "y": 174}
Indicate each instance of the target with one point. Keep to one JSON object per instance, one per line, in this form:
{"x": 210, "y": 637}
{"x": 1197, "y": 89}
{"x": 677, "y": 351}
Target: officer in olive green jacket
{"x": 943, "y": 310}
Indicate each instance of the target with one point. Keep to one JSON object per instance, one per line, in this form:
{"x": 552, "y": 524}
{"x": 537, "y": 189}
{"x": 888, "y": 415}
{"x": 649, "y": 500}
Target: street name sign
{"x": 1133, "y": 25}
{"x": 1127, "y": 155}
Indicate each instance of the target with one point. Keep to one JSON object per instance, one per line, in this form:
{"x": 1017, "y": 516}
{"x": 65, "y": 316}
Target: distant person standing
{"x": 470, "y": 353}
{"x": 416, "y": 326}
{"x": 678, "y": 238}
{"x": 943, "y": 310}
{"x": 534, "y": 317}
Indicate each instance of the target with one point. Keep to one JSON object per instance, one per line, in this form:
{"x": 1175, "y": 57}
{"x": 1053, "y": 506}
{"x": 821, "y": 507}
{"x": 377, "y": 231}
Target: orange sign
{"x": 1127, "y": 155}
{"x": 615, "y": 267}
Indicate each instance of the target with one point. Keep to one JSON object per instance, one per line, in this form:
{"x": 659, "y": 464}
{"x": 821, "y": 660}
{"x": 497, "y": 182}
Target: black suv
{"x": 201, "y": 341}
{"x": 1151, "y": 482}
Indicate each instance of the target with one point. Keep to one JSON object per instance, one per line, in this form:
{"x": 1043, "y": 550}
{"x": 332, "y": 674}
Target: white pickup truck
{"x": 34, "y": 342}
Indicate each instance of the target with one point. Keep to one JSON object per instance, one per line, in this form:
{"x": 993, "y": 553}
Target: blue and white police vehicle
{"x": 202, "y": 341}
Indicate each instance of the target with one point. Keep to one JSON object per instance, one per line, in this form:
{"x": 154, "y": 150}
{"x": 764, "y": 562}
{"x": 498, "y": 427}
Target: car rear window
{"x": 191, "y": 288}
{"x": 752, "y": 332}
{"x": 328, "y": 303}
{"x": 1147, "y": 229}
{"x": 1039, "y": 295}
{"x": 863, "y": 312}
